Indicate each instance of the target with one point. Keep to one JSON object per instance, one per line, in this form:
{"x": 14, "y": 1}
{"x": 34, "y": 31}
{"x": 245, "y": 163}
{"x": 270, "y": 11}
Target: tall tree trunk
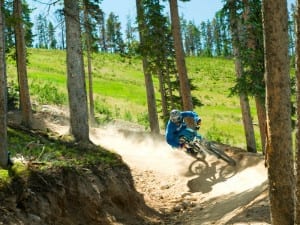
{"x": 254, "y": 40}
{"x": 261, "y": 116}
{"x": 102, "y": 33}
{"x": 89, "y": 62}
{"x": 244, "y": 101}
{"x": 91, "y": 92}
{"x": 180, "y": 58}
{"x": 21, "y": 66}
{"x": 163, "y": 94}
{"x": 248, "y": 123}
{"x": 151, "y": 102}
{"x": 278, "y": 104}
{"x": 3, "y": 97}
{"x": 297, "y": 217}
{"x": 75, "y": 74}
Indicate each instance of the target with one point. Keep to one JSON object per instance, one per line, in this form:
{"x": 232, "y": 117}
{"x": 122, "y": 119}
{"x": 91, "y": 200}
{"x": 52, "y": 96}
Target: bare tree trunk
{"x": 254, "y": 48}
{"x": 261, "y": 116}
{"x": 297, "y": 210}
{"x": 89, "y": 61}
{"x": 180, "y": 57}
{"x": 102, "y": 33}
{"x": 21, "y": 66}
{"x": 152, "y": 109}
{"x": 279, "y": 129}
{"x": 3, "y": 97}
{"x": 244, "y": 101}
{"x": 248, "y": 123}
{"x": 163, "y": 94}
{"x": 91, "y": 93}
{"x": 75, "y": 71}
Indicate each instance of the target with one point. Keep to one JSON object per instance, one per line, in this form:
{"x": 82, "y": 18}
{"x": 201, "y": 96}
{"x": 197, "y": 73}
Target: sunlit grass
{"x": 53, "y": 150}
{"x": 120, "y": 92}
{"x": 34, "y": 150}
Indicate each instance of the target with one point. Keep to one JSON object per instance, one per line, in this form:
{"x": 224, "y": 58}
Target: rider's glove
{"x": 197, "y": 127}
{"x": 199, "y": 122}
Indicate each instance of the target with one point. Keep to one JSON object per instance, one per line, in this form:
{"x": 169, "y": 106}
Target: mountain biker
{"x": 176, "y": 124}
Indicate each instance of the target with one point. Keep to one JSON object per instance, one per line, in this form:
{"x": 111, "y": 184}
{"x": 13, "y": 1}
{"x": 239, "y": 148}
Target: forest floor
{"x": 186, "y": 190}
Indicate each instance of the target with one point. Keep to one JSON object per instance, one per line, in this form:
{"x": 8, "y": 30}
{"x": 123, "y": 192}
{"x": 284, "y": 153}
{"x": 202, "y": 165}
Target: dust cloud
{"x": 142, "y": 151}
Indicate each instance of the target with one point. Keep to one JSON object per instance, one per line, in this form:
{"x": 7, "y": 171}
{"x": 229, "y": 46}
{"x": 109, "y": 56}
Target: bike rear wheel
{"x": 212, "y": 147}
{"x": 198, "y": 166}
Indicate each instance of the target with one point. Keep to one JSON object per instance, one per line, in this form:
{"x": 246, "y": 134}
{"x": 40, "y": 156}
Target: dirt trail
{"x": 210, "y": 192}
{"x": 192, "y": 191}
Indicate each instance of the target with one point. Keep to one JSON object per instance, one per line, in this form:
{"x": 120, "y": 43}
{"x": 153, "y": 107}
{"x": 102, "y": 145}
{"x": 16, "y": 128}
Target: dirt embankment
{"x": 72, "y": 196}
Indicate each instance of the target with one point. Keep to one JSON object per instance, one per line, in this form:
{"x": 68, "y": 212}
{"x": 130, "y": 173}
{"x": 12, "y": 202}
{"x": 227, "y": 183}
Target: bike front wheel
{"x": 212, "y": 147}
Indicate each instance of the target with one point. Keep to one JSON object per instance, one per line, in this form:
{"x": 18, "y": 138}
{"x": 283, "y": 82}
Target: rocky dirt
{"x": 181, "y": 189}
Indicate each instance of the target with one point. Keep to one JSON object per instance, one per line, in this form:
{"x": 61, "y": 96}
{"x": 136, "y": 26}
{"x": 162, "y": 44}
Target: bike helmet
{"x": 175, "y": 116}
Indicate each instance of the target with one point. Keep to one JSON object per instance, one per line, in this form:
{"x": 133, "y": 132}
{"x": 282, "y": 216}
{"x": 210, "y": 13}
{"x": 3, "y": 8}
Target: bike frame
{"x": 194, "y": 140}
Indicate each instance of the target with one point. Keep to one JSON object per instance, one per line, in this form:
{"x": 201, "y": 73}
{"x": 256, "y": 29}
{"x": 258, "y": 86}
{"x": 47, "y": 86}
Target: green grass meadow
{"x": 119, "y": 90}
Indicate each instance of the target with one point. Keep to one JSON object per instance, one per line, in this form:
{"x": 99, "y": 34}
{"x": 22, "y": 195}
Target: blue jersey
{"x": 173, "y": 130}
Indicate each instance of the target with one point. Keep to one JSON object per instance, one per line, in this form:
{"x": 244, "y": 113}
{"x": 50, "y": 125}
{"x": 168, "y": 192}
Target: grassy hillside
{"x": 120, "y": 91}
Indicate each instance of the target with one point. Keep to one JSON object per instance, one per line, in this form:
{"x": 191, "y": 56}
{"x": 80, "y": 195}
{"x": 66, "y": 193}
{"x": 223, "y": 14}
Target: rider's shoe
{"x": 191, "y": 152}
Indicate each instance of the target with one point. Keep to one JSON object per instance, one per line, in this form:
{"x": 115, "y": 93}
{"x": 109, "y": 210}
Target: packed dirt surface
{"x": 193, "y": 191}
{"x": 188, "y": 191}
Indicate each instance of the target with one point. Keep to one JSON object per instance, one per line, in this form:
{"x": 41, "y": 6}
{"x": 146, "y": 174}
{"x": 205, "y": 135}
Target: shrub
{"x": 46, "y": 92}
{"x": 12, "y": 96}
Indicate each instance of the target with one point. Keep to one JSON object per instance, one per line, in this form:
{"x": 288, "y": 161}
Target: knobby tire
{"x": 220, "y": 154}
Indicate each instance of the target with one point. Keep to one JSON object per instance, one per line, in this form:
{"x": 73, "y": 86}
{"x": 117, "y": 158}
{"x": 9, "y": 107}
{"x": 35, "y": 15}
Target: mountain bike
{"x": 190, "y": 139}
